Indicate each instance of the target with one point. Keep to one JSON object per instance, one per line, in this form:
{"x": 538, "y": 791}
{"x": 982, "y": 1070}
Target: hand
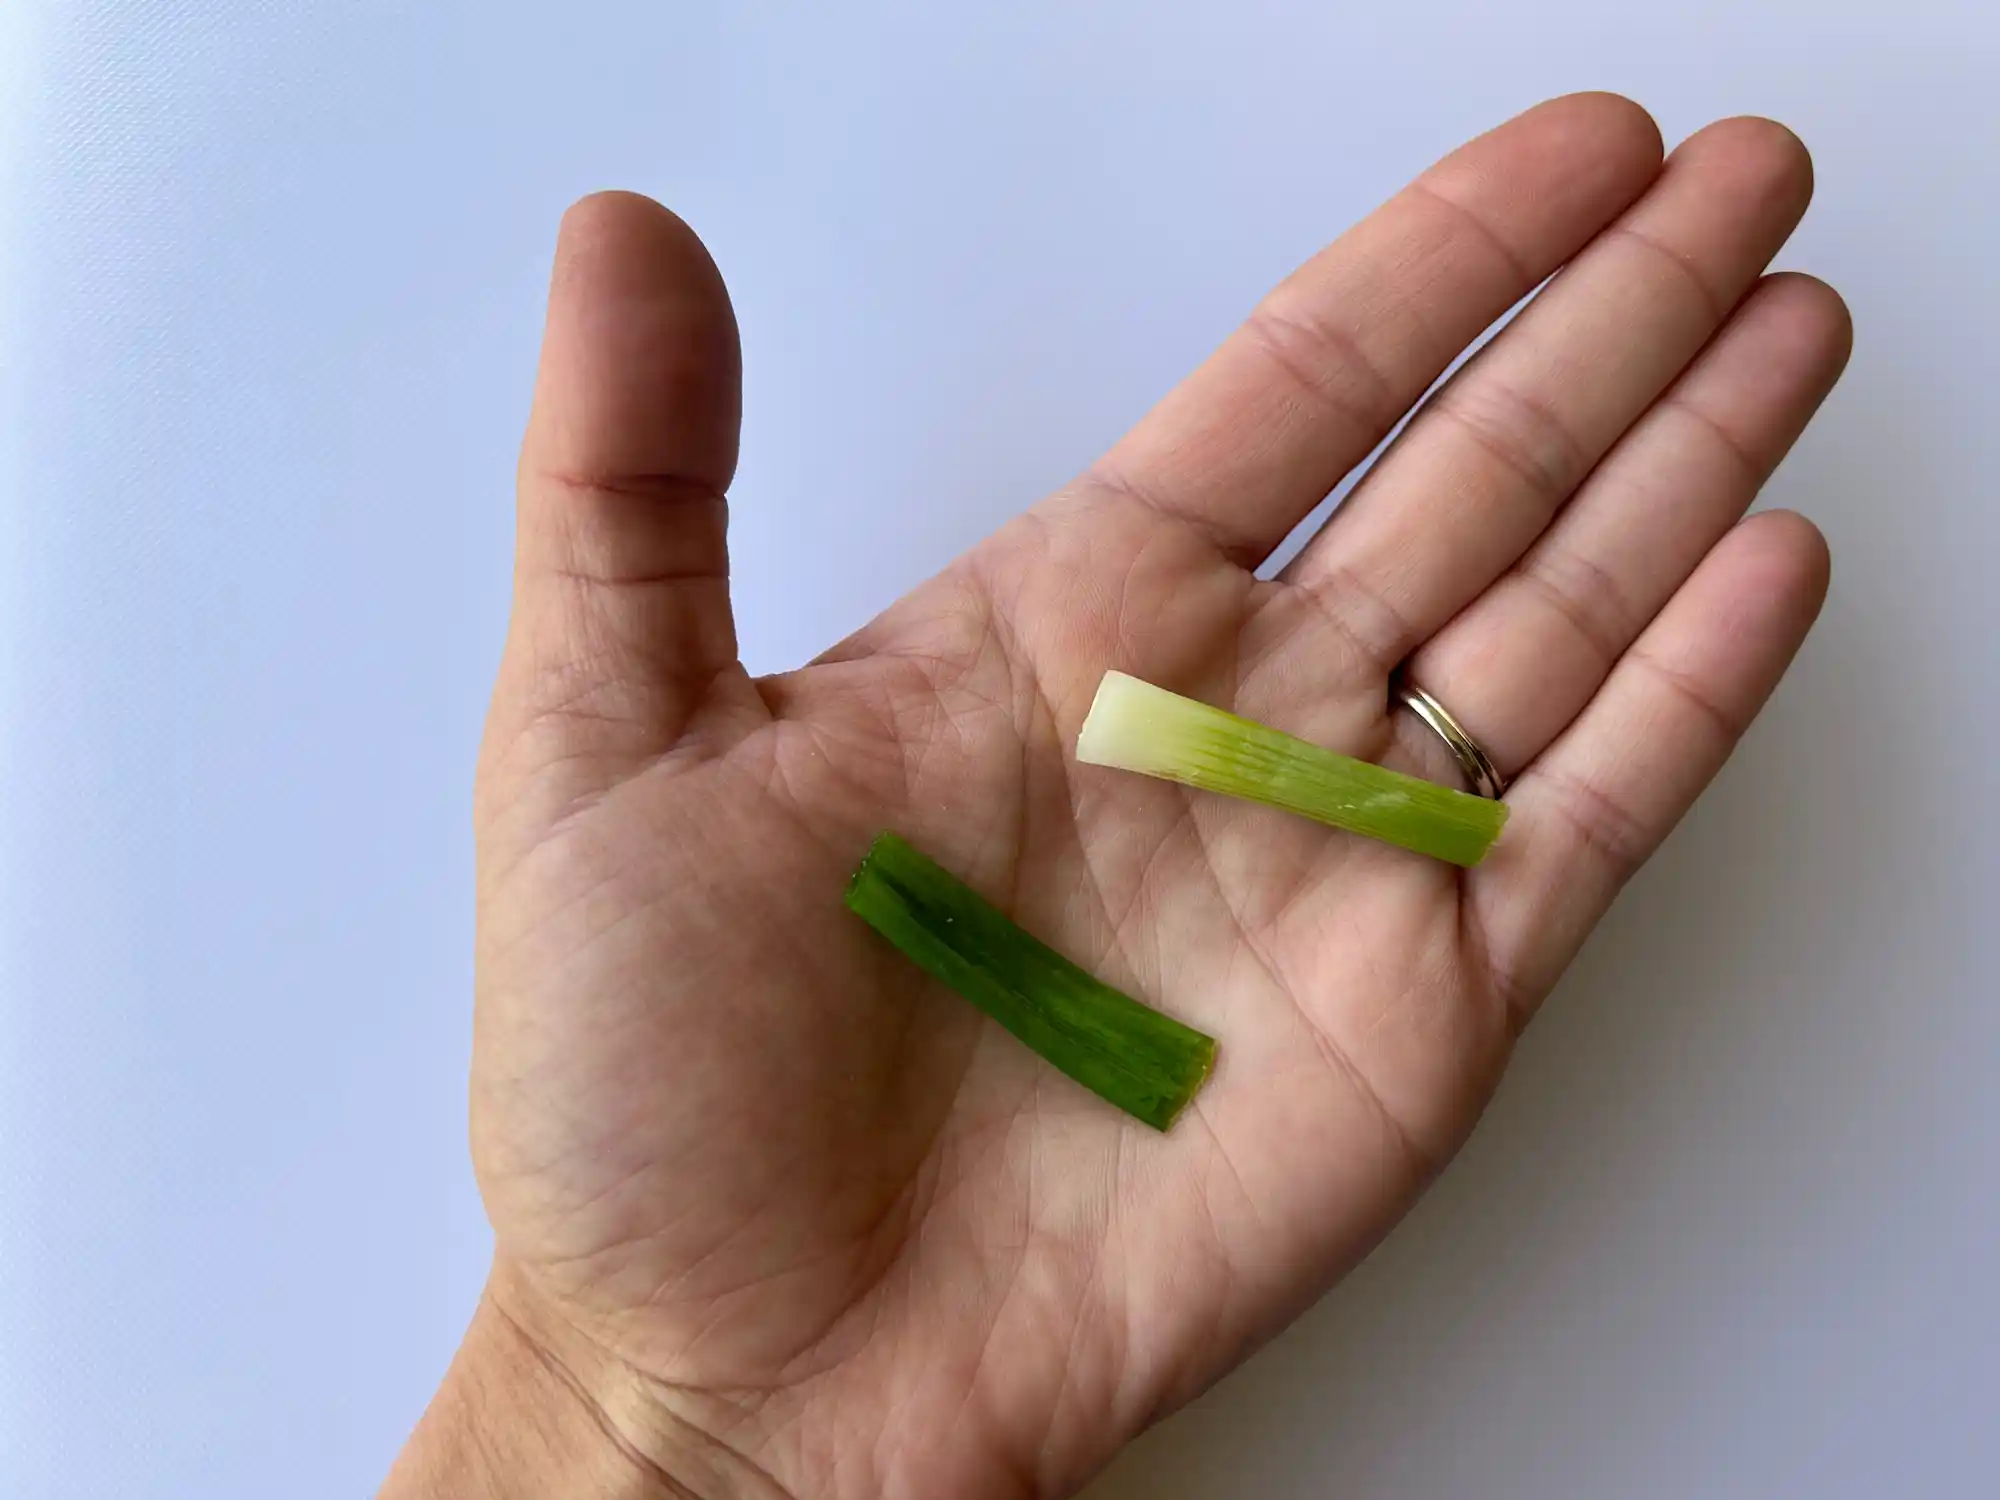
{"x": 783, "y": 1216}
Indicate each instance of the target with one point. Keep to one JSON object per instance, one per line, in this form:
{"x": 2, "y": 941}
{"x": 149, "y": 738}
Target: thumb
{"x": 621, "y": 632}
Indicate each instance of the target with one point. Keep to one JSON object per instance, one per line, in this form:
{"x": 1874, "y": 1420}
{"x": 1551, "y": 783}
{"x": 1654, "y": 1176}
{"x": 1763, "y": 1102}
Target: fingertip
{"x": 632, "y": 229}
{"x": 1615, "y": 119}
{"x": 1766, "y": 156}
{"x": 1812, "y": 299}
{"x": 1800, "y": 321}
{"x": 1555, "y": 174}
{"x": 1792, "y": 551}
{"x": 1826, "y": 305}
{"x": 640, "y": 369}
{"x": 1603, "y": 128}
{"x": 1776, "y": 138}
{"x": 611, "y": 204}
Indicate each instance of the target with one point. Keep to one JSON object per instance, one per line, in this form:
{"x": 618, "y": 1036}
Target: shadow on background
{"x": 1692, "y": 1138}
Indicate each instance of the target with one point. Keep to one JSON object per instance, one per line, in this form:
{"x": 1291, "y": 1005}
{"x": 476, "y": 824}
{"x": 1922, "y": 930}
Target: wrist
{"x": 519, "y": 1415}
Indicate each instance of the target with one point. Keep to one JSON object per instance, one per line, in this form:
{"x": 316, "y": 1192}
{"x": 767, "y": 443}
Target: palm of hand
{"x": 824, "y": 1214}
{"x": 776, "y": 1157}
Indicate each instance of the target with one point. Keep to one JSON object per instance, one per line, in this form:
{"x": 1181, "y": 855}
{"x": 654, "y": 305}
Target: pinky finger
{"x": 1599, "y": 801}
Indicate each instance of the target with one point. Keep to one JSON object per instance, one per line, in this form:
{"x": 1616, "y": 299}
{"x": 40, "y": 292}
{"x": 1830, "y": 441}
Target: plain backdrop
{"x": 270, "y": 287}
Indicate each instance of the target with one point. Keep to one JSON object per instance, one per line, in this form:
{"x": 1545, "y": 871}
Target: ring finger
{"x": 1518, "y": 664}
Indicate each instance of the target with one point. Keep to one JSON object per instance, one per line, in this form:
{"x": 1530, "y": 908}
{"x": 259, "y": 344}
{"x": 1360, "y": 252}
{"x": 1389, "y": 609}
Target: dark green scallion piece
{"x": 1146, "y": 1063}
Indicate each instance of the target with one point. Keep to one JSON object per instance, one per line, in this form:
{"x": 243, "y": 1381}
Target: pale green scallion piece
{"x": 1135, "y": 726}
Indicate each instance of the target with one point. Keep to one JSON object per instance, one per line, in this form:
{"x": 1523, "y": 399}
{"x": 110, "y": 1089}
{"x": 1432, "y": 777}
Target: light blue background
{"x": 270, "y": 282}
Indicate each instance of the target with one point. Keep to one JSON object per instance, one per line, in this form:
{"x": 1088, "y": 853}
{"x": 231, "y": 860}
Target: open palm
{"x": 799, "y": 1221}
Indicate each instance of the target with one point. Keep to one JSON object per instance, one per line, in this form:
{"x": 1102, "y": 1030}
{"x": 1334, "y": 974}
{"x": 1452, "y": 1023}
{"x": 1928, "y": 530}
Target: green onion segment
{"x": 1135, "y": 726}
{"x": 1146, "y": 1063}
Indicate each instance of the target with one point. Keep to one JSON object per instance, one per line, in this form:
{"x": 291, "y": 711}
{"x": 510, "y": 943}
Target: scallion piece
{"x": 1135, "y": 726}
{"x": 1146, "y": 1063}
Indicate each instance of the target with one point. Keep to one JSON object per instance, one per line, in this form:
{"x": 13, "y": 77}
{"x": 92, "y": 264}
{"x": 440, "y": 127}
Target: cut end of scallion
{"x": 1146, "y": 1063}
{"x": 1135, "y": 726}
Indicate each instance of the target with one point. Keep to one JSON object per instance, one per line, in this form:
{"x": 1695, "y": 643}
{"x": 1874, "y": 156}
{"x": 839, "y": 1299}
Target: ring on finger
{"x": 1480, "y": 771}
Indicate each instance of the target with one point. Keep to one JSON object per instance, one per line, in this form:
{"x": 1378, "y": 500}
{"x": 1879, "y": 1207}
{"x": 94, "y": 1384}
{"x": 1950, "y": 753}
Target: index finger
{"x": 1330, "y": 361}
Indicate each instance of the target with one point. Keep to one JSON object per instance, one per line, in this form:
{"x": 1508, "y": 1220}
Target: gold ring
{"x": 1472, "y": 758}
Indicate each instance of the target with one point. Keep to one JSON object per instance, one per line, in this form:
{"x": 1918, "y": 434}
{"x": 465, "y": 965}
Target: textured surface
{"x": 269, "y": 290}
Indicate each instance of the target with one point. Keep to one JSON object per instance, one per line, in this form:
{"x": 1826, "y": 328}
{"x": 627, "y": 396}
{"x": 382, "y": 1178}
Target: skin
{"x": 777, "y": 1216}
